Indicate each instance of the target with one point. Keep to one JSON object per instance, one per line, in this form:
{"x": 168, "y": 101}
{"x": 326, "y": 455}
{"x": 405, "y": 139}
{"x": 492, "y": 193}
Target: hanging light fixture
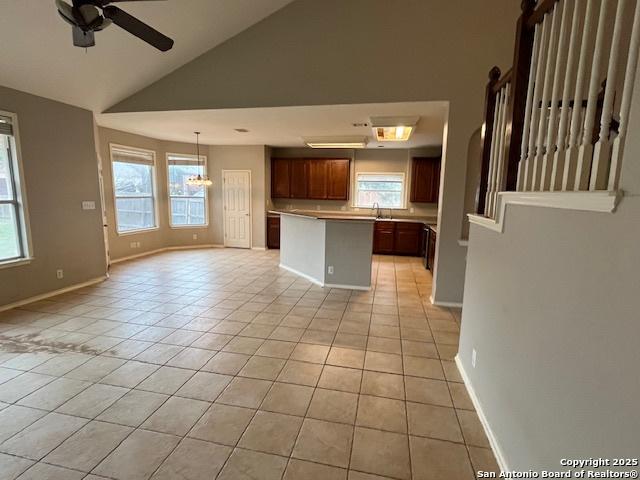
{"x": 199, "y": 180}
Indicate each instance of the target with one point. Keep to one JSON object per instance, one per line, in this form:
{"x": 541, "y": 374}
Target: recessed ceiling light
{"x": 393, "y": 129}
{"x": 336, "y": 142}
{"x": 241, "y": 130}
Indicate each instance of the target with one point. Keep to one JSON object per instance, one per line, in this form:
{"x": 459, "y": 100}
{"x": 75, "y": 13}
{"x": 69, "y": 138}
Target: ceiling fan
{"x": 89, "y": 16}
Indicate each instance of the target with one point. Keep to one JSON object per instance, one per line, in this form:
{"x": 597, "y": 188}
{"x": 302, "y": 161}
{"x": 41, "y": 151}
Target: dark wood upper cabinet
{"x": 338, "y": 179}
{"x": 299, "y": 178}
{"x": 280, "y": 178}
{"x": 317, "y": 182}
{"x": 313, "y": 178}
{"x": 425, "y": 179}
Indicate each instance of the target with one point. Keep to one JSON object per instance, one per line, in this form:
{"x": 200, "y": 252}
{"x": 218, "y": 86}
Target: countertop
{"x": 325, "y": 215}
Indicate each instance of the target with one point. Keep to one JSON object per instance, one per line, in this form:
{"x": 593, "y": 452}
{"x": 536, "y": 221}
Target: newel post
{"x": 519, "y": 85}
{"x": 486, "y": 138}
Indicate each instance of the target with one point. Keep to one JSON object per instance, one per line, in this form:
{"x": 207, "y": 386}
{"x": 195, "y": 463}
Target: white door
{"x": 236, "y": 201}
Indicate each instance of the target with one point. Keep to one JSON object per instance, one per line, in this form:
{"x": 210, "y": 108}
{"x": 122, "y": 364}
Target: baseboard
{"x": 321, "y": 284}
{"x": 262, "y": 249}
{"x": 44, "y": 296}
{"x": 303, "y": 275}
{"x": 347, "y": 287}
{"x": 495, "y": 446}
{"x": 164, "y": 249}
{"x": 445, "y": 304}
{"x": 137, "y": 255}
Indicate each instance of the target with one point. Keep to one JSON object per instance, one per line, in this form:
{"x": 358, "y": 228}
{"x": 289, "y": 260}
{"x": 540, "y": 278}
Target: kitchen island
{"x": 329, "y": 250}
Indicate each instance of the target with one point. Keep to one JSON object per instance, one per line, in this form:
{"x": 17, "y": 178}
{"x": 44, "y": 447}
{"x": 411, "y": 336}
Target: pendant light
{"x": 199, "y": 180}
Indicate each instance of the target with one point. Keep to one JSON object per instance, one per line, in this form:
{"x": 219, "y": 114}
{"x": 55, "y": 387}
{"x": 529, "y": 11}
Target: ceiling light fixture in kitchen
{"x": 336, "y": 142}
{"x": 393, "y": 129}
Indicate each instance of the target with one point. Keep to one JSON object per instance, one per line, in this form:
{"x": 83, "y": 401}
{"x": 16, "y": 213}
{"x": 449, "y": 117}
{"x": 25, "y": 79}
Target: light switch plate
{"x": 88, "y": 205}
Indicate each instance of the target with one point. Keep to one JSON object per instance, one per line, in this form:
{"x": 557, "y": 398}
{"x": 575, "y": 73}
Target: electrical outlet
{"x": 195, "y": 236}
{"x": 60, "y": 274}
{"x": 132, "y": 245}
{"x": 88, "y": 205}
{"x": 343, "y": 208}
{"x": 473, "y": 358}
{"x": 317, "y": 207}
{"x": 412, "y": 210}
{"x": 330, "y": 269}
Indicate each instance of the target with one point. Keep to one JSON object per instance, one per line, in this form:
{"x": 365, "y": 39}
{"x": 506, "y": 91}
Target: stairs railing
{"x": 557, "y": 120}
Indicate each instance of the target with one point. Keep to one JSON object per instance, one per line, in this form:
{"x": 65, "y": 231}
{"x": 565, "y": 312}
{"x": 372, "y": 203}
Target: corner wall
{"x": 60, "y": 171}
{"x": 551, "y": 307}
{"x": 218, "y": 158}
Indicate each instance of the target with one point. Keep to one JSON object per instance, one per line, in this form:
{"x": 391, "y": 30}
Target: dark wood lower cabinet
{"x": 398, "y": 238}
{"x": 383, "y": 238}
{"x": 273, "y": 232}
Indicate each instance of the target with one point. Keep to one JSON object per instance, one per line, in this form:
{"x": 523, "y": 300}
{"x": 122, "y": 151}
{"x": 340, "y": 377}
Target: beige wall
{"x": 164, "y": 235}
{"x": 253, "y": 158}
{"x": 218, "y": 158}
{"x": 366, "y": 160}
{"x": 60, "y": 171}
{"x": 362, "y": 51}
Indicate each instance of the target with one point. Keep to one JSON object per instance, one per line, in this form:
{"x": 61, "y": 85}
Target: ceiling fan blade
{"x": 138, "y": 28}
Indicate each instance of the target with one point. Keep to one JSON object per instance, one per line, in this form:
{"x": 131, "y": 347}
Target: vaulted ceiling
{"x": 42, "y": 60}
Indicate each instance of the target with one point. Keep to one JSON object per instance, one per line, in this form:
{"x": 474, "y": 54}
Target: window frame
{"x": 19, "y": 201}
{"x": 154, "y": 189}
{"x": 403, "y": 193}
{"x": 169, "y": 196}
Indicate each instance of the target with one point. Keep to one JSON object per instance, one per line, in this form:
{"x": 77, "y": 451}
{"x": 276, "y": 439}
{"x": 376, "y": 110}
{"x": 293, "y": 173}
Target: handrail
{"x": 538, "y": 14}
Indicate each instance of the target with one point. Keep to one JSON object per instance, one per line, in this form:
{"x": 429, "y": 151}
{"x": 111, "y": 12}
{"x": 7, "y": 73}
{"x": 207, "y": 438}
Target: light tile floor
{"x": 217, "y": 364}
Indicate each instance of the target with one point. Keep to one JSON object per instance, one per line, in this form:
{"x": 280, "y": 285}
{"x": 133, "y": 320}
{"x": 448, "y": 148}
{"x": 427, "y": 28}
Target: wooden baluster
{"x": 602, "y": 149}
{"x": 524, "y": 41}
{"x": 551, "y": 45}
{"x": 487, "y": 139}
{"x": 559, "y": 158}
{"x": 625, "y": 104}
{"x": 577, "y": 120}
{"x": 563, "y": 9}
{"x": 537, "y": 94}
{"x": 583, "y": 169}
{"x": 526, "y": 125}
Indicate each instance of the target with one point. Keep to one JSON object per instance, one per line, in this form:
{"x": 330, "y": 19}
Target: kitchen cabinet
{"x": 310, "y": 178}
{"x": 408, "y": 239}
{"x": 431, "y": 248}
{"x": 338, "y": 179}
{"x": 397, "y": 238}
{"x": 299, "y": 178}
{"x": 280, "y": 178}
{"x": 317, "y": 184}
{"x": 273, "y": 232}
{"x": 383, "y": 237}
{"x": 425, "y": 179}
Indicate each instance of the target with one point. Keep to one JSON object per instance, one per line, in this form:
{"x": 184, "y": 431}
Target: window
{"x": 133, "y": 187}
{"x": 187, "y": 203}
{"x": 13, "y": 231}
{"x": 384, "y": 189}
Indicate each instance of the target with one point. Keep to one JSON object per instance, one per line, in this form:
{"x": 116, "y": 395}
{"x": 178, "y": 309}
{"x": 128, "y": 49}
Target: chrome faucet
{"x": 376, "y": 207}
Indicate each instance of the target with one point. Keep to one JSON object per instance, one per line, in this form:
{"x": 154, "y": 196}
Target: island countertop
{"x": 324, "y": 215}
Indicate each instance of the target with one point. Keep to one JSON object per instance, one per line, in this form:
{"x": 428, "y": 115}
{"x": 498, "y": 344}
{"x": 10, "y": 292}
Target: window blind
{"x": 131, "y": 156}
{"x": 6, "y": 127}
